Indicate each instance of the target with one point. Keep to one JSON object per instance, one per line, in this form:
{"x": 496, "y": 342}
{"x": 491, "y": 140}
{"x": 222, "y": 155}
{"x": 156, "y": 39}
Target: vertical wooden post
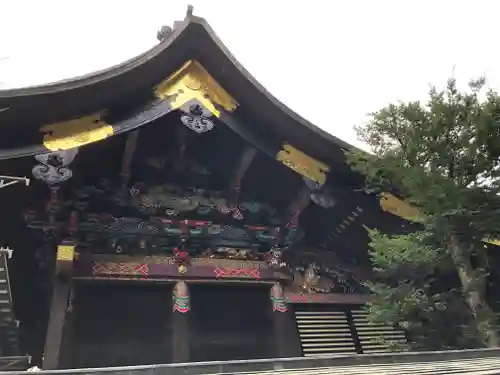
{"x": 354, "y": 331}
{"x": 60, "y": 297}
{"x": 286, "y": 337}
{"x": 180, "y": 323}
{"x": 66, "y": 352}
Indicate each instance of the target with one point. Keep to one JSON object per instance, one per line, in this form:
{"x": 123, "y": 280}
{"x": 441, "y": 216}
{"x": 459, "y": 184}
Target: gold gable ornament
{"x": 303, "y": 164}
{"x": 75, "y": 133}
{"x": 191, "y": 82}
{"x": 400, "y": 208}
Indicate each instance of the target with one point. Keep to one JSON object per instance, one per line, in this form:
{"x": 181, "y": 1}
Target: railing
{"x": 474, "y": 362}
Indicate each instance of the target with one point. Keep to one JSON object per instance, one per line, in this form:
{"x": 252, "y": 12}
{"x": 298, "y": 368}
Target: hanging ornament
{"x": 181, "y": 297}
{"x": 278, "y": 298}
{"x": 196, "y": 117}
{"x": 53, "y": 168}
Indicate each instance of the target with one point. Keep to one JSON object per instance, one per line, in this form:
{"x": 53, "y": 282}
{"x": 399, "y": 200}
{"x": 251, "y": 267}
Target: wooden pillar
{"x": 66, "y": 352}
{"x": 59, "y": 305}
{"x": 286, "y": 337}
{"x": 180, "y": 323}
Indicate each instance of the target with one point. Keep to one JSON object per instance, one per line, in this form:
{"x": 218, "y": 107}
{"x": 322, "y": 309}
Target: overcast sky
{"x": 331, "y": 61}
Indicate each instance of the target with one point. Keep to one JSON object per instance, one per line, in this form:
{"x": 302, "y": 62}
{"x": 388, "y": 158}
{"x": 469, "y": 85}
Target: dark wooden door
{"x": 230, "y": 322}
{"x": 120, "y": 325}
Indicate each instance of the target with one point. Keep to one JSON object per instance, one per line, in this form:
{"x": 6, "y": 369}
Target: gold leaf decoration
{"x": 193, "y": 83}
{"x": 302, "y": 164}
{"x": 75, "y": 133}
{"x": 399, "y": 207}
{"x": 64, "y": 259}
{"x": 65, "y": 253}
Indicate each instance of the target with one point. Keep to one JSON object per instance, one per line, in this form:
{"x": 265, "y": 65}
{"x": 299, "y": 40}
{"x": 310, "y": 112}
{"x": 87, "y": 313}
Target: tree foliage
{"x": 413, "y": 290}
{"x": 443, "y": 157}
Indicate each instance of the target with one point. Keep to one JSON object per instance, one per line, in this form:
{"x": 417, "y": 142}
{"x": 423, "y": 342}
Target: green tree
{"x": 443, "y": 157}
{"x": 413, "y": 290}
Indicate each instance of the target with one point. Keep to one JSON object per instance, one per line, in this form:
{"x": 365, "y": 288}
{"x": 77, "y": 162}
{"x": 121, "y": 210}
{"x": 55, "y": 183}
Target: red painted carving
{"x": 181, "y": 257}
{"x": 238, "y": 272}
{"x": 120, "y": 269}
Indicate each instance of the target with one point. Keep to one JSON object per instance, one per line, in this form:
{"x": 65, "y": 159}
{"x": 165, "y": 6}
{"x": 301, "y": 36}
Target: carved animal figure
{"x": 310, "y": 281}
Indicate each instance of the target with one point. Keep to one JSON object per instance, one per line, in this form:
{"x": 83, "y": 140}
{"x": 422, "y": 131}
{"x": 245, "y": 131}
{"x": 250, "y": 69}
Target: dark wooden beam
{"x": 68, "y": 339}
{"x": 286, "y": 336}
{"x": 60, "y": 296}
{"x": 128, "y": 155}
{"x": 299, "y": 204}
{"x": 181, "y": 137}
{"x": 246, "y": 159}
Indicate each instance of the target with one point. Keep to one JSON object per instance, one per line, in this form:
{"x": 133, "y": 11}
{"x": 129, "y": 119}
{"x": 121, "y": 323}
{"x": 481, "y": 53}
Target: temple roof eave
{"x": 192, "y": 38}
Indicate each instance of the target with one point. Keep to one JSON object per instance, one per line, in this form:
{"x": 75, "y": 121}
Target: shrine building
{"x": 178, "y": 212}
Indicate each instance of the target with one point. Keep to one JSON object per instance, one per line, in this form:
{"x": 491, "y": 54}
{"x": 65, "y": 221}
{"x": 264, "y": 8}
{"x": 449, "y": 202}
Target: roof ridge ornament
{"x": 164, "y": 33}
{"x": 189, "y": 11}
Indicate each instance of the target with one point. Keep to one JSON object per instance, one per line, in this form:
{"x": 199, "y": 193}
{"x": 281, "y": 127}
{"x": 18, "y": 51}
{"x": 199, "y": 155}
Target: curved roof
{"x": 25, "y": 109}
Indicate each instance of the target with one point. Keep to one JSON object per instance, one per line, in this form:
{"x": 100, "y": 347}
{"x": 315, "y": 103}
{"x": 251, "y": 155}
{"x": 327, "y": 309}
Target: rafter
{"x": 128, "y": 155}
{"x": 246, "y": 159}
{"x": 181, "y": 136}
{"x": 297, "y": 206}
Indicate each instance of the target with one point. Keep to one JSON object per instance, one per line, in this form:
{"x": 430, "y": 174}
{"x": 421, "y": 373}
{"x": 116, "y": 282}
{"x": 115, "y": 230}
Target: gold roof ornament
{"x": 303, "y": 164}
{"x": 64, "y": 259}
{"x": 192, "y": 82}
{"x": 492, "y": 241}
{"x": 400, "y": 208}
{"x": 75, "y": 133}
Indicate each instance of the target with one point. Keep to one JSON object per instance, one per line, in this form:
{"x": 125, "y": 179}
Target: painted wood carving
{"x": 278, "y": 298}
{"x": 53, "y": 166}
{"x": 181, "y": 298}
{"x": 311, "y": 276}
